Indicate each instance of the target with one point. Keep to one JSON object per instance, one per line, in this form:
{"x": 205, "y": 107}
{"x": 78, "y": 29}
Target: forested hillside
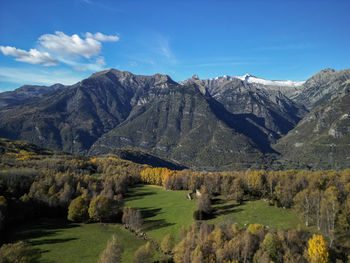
{"x": 35, "y": 183}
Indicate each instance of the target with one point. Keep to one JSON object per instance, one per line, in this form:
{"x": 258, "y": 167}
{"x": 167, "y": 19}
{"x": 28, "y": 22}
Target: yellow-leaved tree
{"x": 317, "y": 250}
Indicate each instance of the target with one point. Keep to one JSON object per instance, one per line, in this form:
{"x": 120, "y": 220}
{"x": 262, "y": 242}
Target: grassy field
{"x": 164, "y": 212}
{"x": 63, "y": 242}
{"x": 254, "y": 212}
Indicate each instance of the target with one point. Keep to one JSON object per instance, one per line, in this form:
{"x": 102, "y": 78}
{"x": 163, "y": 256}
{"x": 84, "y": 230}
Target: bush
{"x": 112, "y": 253}
{"x": 18, "y": 252}
{"x": 144, "y": 254}
{"x": 78, "y": 209}
{"x": 167, "y": 244}
{"x": 102, "y": 208}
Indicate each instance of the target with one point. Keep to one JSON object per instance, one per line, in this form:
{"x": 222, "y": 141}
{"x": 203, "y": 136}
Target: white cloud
{"x": 32, "y": 56}
{"x": 82, "y": 53}
{"x": 101, "y": 61}
{"x": 65, "y": 45}
{"x": 103, "y": 38}
{"x": 42, "y": 77}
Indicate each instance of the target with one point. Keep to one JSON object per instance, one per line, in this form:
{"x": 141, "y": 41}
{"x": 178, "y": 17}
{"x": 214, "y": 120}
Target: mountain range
{"x": 222, "y": 123}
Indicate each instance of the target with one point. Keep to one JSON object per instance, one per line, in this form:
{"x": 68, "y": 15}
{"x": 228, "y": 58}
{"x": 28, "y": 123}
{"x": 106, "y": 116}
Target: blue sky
{"x": 44, "y": 42}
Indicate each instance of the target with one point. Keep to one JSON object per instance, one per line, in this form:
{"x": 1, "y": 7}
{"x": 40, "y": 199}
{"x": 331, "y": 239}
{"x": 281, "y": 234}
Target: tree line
{"x": 92, "y": 189}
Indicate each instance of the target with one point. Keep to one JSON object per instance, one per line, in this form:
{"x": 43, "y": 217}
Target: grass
{"x": 254, "y": 212}
{"x": 63, "y": 242}
{"x": 164, "y": 212}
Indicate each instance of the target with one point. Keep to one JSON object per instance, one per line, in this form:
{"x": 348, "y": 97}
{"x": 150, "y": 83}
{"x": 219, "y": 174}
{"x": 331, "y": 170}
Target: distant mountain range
{"x": 213, "y": 124}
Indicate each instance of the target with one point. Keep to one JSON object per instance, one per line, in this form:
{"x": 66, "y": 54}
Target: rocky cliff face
{"x": 264, "y": 105}
{"x": 10, "y": 98}
{"x": 322, "y": 139}
{"x": 321, "y": 87}
{"x": 114, "y": 109}
{"x": 185, "y": 125}
{"x": 222, "y": 123}
{"x": 73, "y": 118}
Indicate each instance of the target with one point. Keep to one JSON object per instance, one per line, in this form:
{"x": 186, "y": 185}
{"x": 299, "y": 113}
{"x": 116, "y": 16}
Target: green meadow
{"x": 64, "y": 242}
{"x": 164, "y": 212}
{"x": 254, "y": 212}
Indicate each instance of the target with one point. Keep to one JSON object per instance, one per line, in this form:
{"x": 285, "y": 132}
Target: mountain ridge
{"x": 222, "y": 123}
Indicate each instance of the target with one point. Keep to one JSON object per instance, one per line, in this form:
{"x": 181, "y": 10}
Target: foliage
{"x": 112, "y": 253}
{"x": 204, "y": 203}
{"x": 144, "y": 254}
{"x": 18, "y": 252}
{"x": 167, "y": 244}
{"x": 132, "y": 218}
{"x": 271, "y": 245}
{"x": 317, "y": 250}
{"x": 74, "y": 243}
{"x": 256, "y": 229}
{"x": 78, "y": 209}
{"x": 101, "y": 208}
{"x": 156, "y": 176}
{"x": 203, "y": 242}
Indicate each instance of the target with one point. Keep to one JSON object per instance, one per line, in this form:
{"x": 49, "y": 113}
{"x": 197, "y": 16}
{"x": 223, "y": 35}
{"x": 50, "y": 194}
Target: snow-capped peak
{"x": 252, "y": 79}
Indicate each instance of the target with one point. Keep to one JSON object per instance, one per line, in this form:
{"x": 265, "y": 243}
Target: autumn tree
{"x": 237, "y": 190}
{"x": 329, "y": 210}
{"x": 256, "y": 182}
{"x": 132, "y": 218}
{"x": 204, "y": 203}
{"x": 102, "y": 208}
{"x": 302, "y": 205}
{"x": 197, "y": 255}
{"x": 18, "y": 252}
{"x": 271, "y": 245}
{"x": 317, "y": 250}
{"x": 167, "y": 244}
{"x": 144, "y": 254}
{"x": 112, "y": 253}
{"x": 78, "y": 209}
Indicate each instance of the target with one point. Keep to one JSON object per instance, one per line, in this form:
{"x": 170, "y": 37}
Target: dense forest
{"x": 38, "y": 183}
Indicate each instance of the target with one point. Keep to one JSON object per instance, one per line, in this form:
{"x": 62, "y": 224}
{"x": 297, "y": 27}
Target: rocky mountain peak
{"x": 327, "y": 70}
{"x": 195, "y": 77}
{"x": 160, "y": 78}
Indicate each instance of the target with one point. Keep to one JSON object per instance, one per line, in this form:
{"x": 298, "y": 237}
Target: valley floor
{"x": 164, "y": 212}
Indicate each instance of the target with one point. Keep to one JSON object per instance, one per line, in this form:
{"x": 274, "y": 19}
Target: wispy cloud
{"x": 32, "y": 56}
{"x": 96, "y": 65}
{"x": 101, "y": 37}
{"x": 161, "y": 46}
{"x": 40, "y": 77}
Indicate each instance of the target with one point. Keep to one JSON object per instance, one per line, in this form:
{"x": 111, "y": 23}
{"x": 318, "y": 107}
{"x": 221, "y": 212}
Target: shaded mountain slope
{"x": 185, "y": 125}
{"x": 264, "y": 106}
{"x": 322, "y": 87}
{"x": 142, "y": 157}
{"x": 322, "y": 139}
{"x": 73, "y": 118}
{"x": 15, "y": 97}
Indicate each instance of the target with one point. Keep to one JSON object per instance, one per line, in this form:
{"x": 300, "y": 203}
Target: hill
{"x": 213, "y": 124}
